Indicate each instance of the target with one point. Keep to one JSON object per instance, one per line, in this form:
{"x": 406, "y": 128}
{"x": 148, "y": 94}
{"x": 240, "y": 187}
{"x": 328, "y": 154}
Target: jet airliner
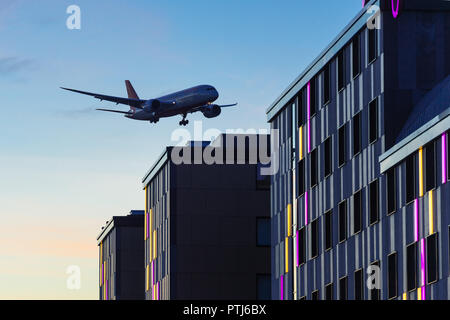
{"x": 199, "y": 98}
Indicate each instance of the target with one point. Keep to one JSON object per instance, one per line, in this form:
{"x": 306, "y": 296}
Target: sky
{"x": 65, "y": 169}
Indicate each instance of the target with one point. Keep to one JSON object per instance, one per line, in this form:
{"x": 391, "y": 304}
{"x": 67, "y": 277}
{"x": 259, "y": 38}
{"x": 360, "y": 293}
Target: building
{"x": 416, "y": 172}
{"x": 207, "y": 226}
{"x": 121, "y": 253}
{"x": 345, "y": 124}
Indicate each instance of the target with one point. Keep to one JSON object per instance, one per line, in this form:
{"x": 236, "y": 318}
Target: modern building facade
{"x": 207, "y": 226}
{"x": 121, "y": 252}
{"x": 334, "y": 225}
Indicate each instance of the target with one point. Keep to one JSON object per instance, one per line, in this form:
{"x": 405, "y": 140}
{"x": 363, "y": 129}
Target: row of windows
{"x": 431, "y": 276}
{"x": 342, "y": 148}
{"x": 420, "y": 175}
{"x": 374, "y": 217}
{"x": 342, "y": 75}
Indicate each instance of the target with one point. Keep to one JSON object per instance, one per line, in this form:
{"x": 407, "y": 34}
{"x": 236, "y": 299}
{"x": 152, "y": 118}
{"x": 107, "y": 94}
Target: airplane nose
{"x": 216, "y": 94}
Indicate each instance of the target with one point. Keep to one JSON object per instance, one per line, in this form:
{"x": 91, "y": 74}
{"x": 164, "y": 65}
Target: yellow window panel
{"x": 289, "y": 220}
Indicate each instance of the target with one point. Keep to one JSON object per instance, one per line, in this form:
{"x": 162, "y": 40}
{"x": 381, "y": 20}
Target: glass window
{"x": 356, "y": 50}
{"x": 328, "y": 230}
{"x": 430, "y": 166}
{"x": 315, "y": 295}
{"x": 375, "y": 293}
{"x": 359, "y": 284}
{"x": 373, "y": 121}
{"x": 410, "y": 179}
{"x": 301, "y": 246}
{"x": 392, "y": 276}
{"x": 342, "y": 145}
{"x": 373, "y": 44}
{"x": 314, "y": 168}
{"x": 263, "y": 287}
{"x": 327, "y": 156}
{"x": 263, "y": 232}
{"x": 343, "y": 221}
{"x": 301, "y": 177}
{"x": 326, "y": 84}
{"x": 391, "y": 190}
{"x": 341, "y": 70}
{"x": 314, "y": 238}
{"x": 357, "y": 212}
{"x": 357, "y": 133}
{"x": 374, "y": 200}
{"x": 262, "y": 181}
{"x": 432, "y": 258}
{"x": 411, "y": 266}
{"x": 329, "y": 291}
{"x": 343, "y": 288}
{"x": 312, "y": 97}
{"x": 300, "y": 110}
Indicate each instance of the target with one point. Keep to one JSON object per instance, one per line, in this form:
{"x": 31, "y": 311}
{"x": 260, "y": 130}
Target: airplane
{"x": 199, "y": 98}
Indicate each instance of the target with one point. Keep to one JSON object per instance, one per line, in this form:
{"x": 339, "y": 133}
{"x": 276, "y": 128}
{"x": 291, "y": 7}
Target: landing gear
{"x": 184, "y": 122}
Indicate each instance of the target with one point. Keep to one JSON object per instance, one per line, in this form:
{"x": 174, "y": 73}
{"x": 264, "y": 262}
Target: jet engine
{"x": 155, "y": 104}
{"x": 211, "y": 111}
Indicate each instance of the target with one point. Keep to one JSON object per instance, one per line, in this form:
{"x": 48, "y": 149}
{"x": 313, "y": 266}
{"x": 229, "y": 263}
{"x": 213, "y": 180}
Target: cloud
{"x": 12, "y": 65}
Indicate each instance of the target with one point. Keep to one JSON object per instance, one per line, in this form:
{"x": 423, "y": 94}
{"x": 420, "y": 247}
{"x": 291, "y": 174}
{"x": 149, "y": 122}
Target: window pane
{"x": 375, "y": 293}
{"x": 432, "y": 258}
{"x": 392, "y": 275}
{"x": 301, "y": 177}
{"x": 263, "y": 287}
{"x": 315, "y": 295}
{"x": 342, "y": 221}
{"x": 314, "y": 238}
{"x": 263, "y": 231}
{"x": 357, "y": 212}
{"x": 327, "y": 156}
{"x": 342, "y": 145}
{"x": 329, "y": 291}
{"x": 411, "y": 266}
{"x": 356, "y": 56}
{"x": 357, "y": 134}
{"x": 341, "y": 70}
{"x": 359, "y": 282}
{"x": 343, "y": 288}
{"x": 300, "y": 110}
{"x": 410, "y": 177}
{"x": 326, "y": 84}
{"x": 391, "y": 191}
{"x": 373, "y": 121}
{"x": 314, "y": 165}
{"x": 430, "y": 162}
{"x": 328, "y": 230}
{"x": 373, "y": 198}
{"x": 372, "y": 44}
{"x": 301, "y": 246}
{"x": 312, "y": 97}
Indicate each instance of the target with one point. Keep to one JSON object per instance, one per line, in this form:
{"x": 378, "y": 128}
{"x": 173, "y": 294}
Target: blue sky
{"x": 67, "y": 168}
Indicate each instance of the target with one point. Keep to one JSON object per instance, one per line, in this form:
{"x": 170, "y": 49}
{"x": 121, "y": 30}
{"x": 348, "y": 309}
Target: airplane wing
{"x": 228, "y": 105}
{"x": 221, "y": 106}
{"x": 130, "y": 102}
{"x": 117, "y": 111}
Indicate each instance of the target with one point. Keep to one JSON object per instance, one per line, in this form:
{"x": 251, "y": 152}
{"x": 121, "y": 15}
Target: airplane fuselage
{"x": 195, "y": 99}
{"x": 181, "y": 102}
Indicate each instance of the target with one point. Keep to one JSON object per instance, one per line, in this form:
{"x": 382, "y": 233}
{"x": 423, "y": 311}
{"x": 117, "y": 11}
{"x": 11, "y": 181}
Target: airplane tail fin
{"x": 131, "y": 92}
